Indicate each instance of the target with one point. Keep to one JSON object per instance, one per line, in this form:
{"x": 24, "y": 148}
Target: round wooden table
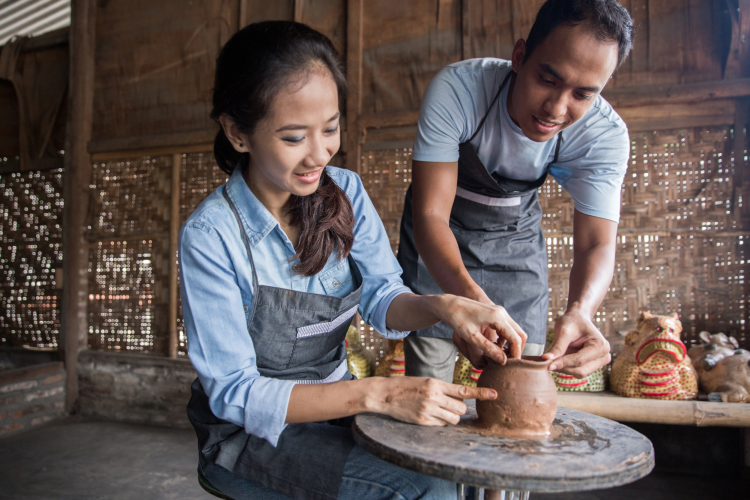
{"x": 585, "y": 452}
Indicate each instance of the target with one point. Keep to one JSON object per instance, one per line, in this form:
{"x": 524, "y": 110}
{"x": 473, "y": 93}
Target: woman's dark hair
{"x": 255, "y": 64}
{"x": 607, "y": 20}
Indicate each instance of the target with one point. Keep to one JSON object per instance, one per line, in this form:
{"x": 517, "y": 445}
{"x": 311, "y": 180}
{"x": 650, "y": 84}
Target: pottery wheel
{"x": 585, "y": 452}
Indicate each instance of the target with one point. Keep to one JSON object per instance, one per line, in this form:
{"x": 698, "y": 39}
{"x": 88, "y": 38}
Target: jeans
{"x": 365, "y": 477}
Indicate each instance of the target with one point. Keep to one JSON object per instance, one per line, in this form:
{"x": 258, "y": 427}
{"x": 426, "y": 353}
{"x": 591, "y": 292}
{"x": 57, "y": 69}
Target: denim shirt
{"x": 217, "y": 294}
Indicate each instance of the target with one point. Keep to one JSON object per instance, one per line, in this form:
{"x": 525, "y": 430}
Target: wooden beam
{"x": 354, "y": 43}
{"x": 13, "y": 166}
{"x": 77, "y": 177}
{"x": 133, "y": 153}
{"x": 47, "y": 40}
{"x": 671, "y": 116}
{"x": 397, "y": 119}
{"x": 652, "y": 411}
{"x": 153, "y": 141}
{"x": 684, "y": 93}
{"x": 174, "y": 229}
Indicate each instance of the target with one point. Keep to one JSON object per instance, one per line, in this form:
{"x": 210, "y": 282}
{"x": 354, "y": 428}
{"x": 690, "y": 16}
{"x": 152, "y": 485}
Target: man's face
{"x": 559, "y": 82}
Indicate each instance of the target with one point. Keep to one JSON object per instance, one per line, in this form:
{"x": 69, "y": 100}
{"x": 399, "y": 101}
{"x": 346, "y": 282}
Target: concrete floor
{"x": 84, "y": 459}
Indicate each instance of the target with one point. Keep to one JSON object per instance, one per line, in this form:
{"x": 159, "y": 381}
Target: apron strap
{"x": 499, "y": 91}
{"x": 246, "y": 240}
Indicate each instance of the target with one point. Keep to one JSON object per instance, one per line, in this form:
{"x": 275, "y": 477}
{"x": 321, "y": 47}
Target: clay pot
{"x": 526, "y": 398}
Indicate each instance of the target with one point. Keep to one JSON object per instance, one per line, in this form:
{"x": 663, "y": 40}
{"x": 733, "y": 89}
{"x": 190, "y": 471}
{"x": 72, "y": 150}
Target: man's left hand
{"x": 579, "y": 348}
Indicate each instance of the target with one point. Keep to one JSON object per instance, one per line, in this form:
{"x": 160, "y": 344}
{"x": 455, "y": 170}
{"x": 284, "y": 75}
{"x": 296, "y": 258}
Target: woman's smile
{"x": 310, "y": 177}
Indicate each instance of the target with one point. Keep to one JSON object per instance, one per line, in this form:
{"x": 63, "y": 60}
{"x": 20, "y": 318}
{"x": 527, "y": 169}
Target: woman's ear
{"x": 238, "y": 139}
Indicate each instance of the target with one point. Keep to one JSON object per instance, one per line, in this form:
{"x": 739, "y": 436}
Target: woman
{"x": 274, "y": 266}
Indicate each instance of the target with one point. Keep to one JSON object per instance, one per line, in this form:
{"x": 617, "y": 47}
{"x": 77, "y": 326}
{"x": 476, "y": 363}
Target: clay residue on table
{"x": 562, "y": 435}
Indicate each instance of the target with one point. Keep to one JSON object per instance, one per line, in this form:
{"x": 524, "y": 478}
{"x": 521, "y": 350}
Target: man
{"x": 489, "y": 132}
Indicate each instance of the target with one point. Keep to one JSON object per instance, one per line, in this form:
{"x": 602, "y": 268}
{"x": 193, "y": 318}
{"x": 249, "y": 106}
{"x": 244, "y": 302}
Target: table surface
{"x": 584, "y": 452}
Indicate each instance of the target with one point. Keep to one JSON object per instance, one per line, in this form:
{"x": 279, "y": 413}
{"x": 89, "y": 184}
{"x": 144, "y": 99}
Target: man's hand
{"x": 477, "y": 328}
{"x": 579, "y": 348}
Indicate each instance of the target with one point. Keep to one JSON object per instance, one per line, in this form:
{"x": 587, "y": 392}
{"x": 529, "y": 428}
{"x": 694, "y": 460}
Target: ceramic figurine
{"x": 654, "y": 363}
{"x": 465, "y": 373}
{"x": 715, "y": 348}
{"x": 392, "y": 364}
{"x": 596, "y": 382}
{"x": 723, "y": 369}
{"x": 360, "y": 360}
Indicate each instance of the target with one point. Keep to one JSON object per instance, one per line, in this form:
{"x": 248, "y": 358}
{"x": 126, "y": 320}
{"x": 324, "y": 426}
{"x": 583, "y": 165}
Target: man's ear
{"x": 238, "y": 139}
{"x": 519, "y": 52}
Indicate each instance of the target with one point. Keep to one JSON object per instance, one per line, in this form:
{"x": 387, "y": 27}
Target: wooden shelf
{"x": 621, "y": 409}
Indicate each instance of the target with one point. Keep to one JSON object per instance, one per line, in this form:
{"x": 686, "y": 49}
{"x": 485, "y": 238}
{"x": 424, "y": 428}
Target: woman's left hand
{"x": 478, "y": 328}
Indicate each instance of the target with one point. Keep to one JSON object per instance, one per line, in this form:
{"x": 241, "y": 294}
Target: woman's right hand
{"x": 425, "y": 401}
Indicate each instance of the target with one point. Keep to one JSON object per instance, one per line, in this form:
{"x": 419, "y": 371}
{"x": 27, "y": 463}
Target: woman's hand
{"x": 477, "y": 327}
{"x": 424, "y": 401}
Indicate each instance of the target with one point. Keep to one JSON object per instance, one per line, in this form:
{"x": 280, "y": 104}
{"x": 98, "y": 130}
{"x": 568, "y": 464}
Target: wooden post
{"x": 77, "y": 177}
{"x": 174, "y": 229}
{"x": 465, "y": 30}
{"x": 299, "y": 8}
{"x": 354, "y": 41}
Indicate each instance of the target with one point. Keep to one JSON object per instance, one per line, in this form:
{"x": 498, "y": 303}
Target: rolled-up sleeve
{"x": 220, "y": 347}
{"x": 381, "y": 272}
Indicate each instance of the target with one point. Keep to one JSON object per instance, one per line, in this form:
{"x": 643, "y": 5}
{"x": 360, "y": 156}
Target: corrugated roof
{"x": 32, "y": 17}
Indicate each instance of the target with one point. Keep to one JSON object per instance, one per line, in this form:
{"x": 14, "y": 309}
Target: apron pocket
{"x": 469, "y": 215}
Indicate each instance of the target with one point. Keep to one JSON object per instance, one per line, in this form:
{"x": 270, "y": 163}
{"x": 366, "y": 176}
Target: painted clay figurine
{"x": 465, "y": 373}
{"x": 360, "y": 360}
{"x": 526, "y": 398}
{"x": 392, "y": 364}
{"x": 596, "y": 382}
{"x": 723, "y": 369}
{"x": 654, "y": 363}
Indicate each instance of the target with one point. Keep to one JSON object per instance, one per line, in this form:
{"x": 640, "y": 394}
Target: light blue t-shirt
{"x": 593, "y": 156}
{"x": 216, "y": 280}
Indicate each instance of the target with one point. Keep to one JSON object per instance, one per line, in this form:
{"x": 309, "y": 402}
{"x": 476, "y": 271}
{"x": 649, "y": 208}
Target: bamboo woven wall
{"x": 128, "y": 273}
{"x": 129, "y": 252}
{"x": 31, "y": 206}
{"x": 681, "y": 240}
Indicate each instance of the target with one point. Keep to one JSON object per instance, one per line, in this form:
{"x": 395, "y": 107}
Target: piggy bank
{"x": 596, "y": 382}
{"x": 654, "y": 363}
{"x": 723, "y": 369}
{"x": 464, "y": 373}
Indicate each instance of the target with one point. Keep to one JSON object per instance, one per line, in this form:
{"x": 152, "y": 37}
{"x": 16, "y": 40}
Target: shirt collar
{"x": 256, "y": 218}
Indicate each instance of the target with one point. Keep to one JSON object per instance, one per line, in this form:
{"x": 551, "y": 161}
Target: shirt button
{"x": 246, "y": 308}
{"x": 336, "y": 283}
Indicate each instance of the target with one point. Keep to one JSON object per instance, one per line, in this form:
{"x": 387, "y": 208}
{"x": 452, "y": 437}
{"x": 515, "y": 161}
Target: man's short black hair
{"x": 607, "y": 20}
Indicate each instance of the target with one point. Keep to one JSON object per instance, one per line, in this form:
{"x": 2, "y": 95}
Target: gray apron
{"x": 297, "y": 336}
{"x": 497, "y": 225}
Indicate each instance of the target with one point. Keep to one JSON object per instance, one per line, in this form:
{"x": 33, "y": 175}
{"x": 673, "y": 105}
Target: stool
{"x": 210, "y": 488}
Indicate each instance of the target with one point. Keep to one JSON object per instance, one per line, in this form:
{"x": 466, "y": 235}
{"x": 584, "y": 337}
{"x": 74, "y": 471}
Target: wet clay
{"x": 526, "y": 398}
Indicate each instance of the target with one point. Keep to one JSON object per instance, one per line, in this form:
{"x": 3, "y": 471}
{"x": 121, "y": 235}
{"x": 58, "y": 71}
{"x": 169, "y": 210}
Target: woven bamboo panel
{"x": 386, "y": 175}
{"x": 681, "y": 237}
{"x": 128, "y": 270}
{"x": 199, "y": 177}
{"x": 680, "y": 245}
{"x": 31, "y": 206}
{"x": 131, "y": 197}
{"x": 129, "y": 295}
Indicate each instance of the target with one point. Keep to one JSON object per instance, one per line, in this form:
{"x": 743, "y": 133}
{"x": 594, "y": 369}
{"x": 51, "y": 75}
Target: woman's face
{"x": 292, "y": 145}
